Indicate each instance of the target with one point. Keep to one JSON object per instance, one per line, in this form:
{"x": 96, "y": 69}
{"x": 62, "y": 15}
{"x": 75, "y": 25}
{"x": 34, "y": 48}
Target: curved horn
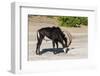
{"x": 70, "y": 39}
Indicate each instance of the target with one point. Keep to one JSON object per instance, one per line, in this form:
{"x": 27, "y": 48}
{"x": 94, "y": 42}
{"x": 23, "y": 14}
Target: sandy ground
{"x": 78, "y": 48}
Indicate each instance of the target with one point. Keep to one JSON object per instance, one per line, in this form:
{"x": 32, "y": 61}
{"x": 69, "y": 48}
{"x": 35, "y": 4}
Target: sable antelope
{"x": 56, "y": 35}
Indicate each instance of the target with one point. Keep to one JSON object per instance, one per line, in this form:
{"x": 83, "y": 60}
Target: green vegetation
{"x": 71, "y": 21}
{"x": 66, "y": 21}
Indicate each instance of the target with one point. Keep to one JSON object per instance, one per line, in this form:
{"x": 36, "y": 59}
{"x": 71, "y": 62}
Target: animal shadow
{"x": 58, "y": 50}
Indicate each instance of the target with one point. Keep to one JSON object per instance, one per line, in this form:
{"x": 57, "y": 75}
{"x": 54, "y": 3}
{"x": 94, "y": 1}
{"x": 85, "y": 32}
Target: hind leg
{"x": 39, "y": 44}
{"x": 38, "y": 47}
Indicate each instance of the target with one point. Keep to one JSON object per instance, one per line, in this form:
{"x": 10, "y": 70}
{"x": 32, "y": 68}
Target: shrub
{"x": 71, "y": 21}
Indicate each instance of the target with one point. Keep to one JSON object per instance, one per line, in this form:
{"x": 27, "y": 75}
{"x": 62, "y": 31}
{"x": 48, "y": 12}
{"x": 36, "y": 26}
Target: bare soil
{"x": 78, "y": 49}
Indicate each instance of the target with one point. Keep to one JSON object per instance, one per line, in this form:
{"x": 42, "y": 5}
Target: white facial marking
{"x": 65, "y": 49}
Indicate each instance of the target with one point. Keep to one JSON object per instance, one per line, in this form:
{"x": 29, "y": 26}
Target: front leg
{"x": 54, "y": 51}
{"x": 53, "y": 44}
{"x": 57, "y": 44}
{"x": 38, "y": 46}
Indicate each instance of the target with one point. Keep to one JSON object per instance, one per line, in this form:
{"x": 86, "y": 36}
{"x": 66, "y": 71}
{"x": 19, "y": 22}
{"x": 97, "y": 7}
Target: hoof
{"x": 38, "y": 53}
